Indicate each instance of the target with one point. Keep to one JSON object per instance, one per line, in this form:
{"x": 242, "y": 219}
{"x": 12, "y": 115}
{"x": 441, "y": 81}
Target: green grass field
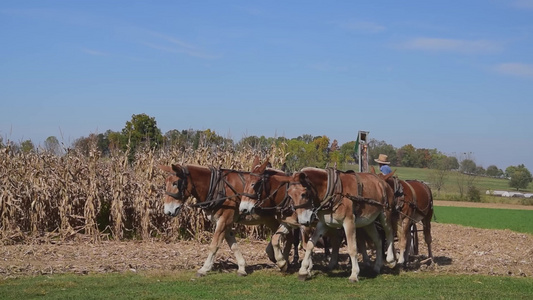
{"x": 450, "y": 189}
{"x": 513, "y": 219}
{"x": 266, "y": 284}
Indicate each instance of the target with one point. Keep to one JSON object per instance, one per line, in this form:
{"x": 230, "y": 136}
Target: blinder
{"x": 181, "y": 184}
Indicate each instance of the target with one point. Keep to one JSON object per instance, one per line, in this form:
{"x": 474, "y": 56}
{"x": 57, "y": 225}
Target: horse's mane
{"x": 311, "y": 169}
{"x": 274, "y": 170}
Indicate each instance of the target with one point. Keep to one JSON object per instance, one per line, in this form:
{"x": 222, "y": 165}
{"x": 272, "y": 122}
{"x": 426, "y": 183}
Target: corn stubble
{"x": 44, "y": 197}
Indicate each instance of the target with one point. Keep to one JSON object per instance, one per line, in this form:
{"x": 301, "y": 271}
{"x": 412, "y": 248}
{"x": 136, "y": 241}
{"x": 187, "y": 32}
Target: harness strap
{"x": 359, "y": 184}
{"x": 215, "y": 189}
{"x": 413, "y": 202}
{"x": 363, "y": 199}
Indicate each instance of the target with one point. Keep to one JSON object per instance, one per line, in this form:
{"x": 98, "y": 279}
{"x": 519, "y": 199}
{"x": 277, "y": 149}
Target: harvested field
{"x": 457, "y": 250}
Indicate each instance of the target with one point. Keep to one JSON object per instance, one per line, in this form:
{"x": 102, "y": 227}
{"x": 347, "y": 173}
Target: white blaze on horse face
{"x": 172, "y": 208}
{"x": 298, "y": 194}
{"x": 305, "y": 216}
{"x": 246, "y": 205}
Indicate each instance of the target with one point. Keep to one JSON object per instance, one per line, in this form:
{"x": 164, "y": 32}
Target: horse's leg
{"x": 270, "y": 252}
{"x": 405, "y": 240}
{"x": 289, "y": 237}
{"x": 349, "y": 229}
{"x": 296, "y": 232}
{"x": 232, "y": 242}
{"x": 283, "y": 230}
{"x": 361, "y": 245}
{"x": 218, "y": 237}
{"x": 373, "y": 233}
{"x": 335, "y": 246}
{"x": 426, "y": 222}
{"x": 307, "y": 263}
{"x": 385, "y": 222}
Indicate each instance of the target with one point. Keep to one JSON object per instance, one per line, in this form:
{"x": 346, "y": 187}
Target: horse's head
{"x": 253, "y": 188}
{"x": 176, "y": 188}
{"x": 302, "y": 193}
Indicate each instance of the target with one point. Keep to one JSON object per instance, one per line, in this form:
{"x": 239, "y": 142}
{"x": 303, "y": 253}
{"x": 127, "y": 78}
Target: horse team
{"x": 309, "y": 204}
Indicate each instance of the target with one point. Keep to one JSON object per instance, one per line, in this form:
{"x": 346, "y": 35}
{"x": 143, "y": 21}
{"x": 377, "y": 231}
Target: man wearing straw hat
{"x": 383, "y": 164}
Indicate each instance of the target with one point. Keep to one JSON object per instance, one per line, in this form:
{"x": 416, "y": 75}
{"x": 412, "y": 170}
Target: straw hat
{"x": 382, "y": 159}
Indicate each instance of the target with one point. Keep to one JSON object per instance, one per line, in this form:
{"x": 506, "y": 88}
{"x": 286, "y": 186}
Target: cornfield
{"x": 51, "y": 197}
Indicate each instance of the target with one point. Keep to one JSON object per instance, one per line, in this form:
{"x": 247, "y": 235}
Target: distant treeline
{"x": 305, "y": 150}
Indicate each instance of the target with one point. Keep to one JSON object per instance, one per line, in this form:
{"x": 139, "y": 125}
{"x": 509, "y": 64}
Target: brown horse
{"x": 217, "y": 192}
{"x": 265, "y": 192}
{"x": 413, "y": 203}
{"x": 342, "y": 199}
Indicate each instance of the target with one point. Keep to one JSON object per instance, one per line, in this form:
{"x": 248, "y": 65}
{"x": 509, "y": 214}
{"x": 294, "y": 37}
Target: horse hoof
{"x": 427, "y": 261}
{"x": 283, "y": 266}
{"x": 198, "y": 274}
{"x": 352, "y": 280}
{"x": 302, "y": 277}
{"x": 241, "y": 274}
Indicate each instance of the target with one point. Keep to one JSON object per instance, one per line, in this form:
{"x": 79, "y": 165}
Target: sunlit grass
{"x": 513, "y": 219}
{"x": 266, "y": 284}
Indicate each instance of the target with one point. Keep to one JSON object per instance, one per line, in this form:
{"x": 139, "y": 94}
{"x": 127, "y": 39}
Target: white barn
{"x": 513, "y": 194}
{"x": 495, "y": 193}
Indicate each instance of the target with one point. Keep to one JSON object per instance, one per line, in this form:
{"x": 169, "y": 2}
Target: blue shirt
{"x": 385, "y": 169}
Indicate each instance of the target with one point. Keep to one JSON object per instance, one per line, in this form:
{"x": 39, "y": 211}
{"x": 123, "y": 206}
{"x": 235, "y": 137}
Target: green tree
{"x": 493, "y": 171}
{"x": 322, "y": 150}
{"x": 347, "y": 153}
{"x": 408, "y": 157}
{"x": 520, "y": 177}
{"x": 27, "y": 146}
{"x": 301, "y": 154}
{"x": 480, "y": 170}
{"x": 424, "y": 157}
{"x": 142, "y": 130}
{"x": 468, "y": 166}
{"x": 94, "y": 141}
{"x": 509, "y": 171}
{"x": 453, "y": 163}
{"x": 307, "y": 138}
{"x": 51, "y": 145}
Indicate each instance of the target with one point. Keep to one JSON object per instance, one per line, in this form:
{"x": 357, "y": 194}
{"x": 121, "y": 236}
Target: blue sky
{"x": 452, "y": 75}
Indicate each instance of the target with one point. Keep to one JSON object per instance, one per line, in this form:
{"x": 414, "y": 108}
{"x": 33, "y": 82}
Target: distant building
{"x": 495, "y": 193}
{"x": 513, "y": 194}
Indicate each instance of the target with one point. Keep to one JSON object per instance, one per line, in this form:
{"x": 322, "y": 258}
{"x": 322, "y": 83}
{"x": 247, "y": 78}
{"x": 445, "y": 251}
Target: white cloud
{"x": 516, "y": 69}
{"x": 175, "y": 45}
{"x": 452, "y": 45}
{"x": 528, "y": 4}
